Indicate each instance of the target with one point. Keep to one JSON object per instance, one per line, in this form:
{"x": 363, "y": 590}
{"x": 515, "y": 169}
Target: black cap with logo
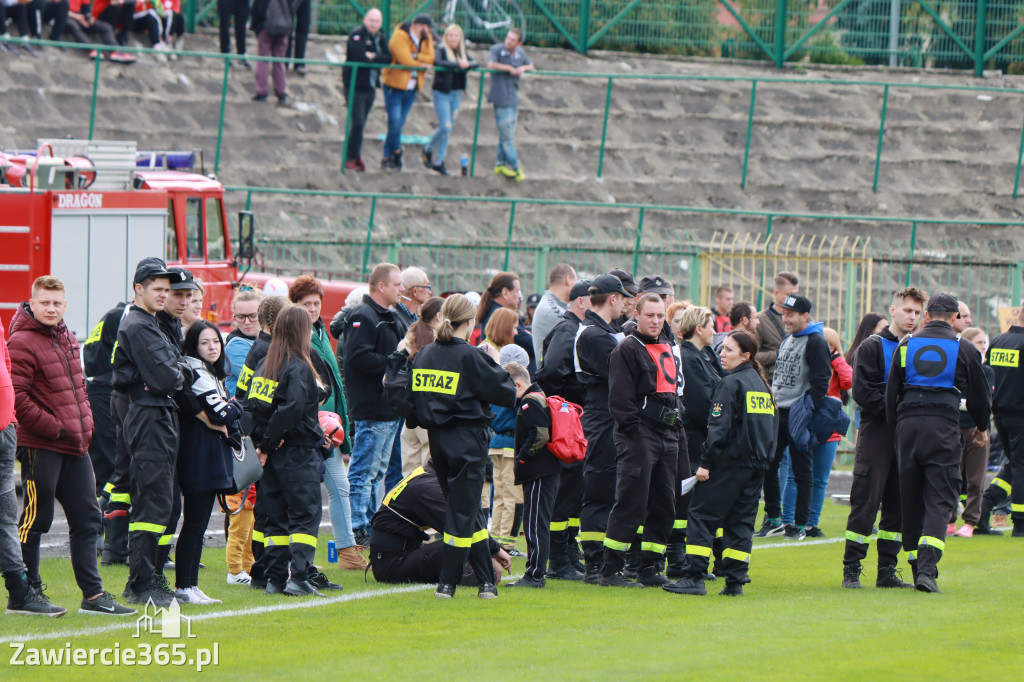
{"x": 581, "y": 288}
{"x": 182, "y": 279}
{"x": 943, "y": 303}
{"x": 628, "y": 283}
{"x": 608, "y": 284}
{"x": 655, "y": 284}
{"x": 150, "y": 267}
{"x": 797, "y": 302}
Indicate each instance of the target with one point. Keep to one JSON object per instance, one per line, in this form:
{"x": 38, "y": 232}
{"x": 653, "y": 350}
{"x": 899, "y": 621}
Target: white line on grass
{"x": 804, "y": 543}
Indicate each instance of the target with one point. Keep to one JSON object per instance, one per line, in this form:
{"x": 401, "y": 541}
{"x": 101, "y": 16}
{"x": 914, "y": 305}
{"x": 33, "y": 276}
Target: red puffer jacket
{"x": 49, "y": 389}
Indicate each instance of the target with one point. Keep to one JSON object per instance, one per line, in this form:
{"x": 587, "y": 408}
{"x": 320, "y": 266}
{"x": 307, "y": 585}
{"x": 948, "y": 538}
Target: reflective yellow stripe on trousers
{"x": 456, "y": 541}
{"x": 146, "y": 527}
{"x": 736, "y": 555}
{"x": 932, "y": 542}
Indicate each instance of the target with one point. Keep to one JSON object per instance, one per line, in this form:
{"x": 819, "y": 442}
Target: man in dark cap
{"x": 631, "y": 289}
{"x": 656, "y": 284}
{"x": 931, "y": 370}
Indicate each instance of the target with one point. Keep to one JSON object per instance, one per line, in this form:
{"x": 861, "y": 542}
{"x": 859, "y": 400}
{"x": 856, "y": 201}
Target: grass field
{"x": 794, "y": 623}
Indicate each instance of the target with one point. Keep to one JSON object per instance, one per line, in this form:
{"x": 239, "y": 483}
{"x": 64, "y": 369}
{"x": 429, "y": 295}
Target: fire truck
{"x": 88, "y": 211}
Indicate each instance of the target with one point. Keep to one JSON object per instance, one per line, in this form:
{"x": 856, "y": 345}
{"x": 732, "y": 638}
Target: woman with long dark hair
{"x": 872, "y": 323}
{"x": 204, "y": 455}
{"x": 285, "y": 396}
{"x": 743, "y": 426}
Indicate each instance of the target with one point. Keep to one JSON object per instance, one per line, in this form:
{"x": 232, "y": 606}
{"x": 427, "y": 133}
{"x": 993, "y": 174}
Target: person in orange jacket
{"x": 411, "y": 44}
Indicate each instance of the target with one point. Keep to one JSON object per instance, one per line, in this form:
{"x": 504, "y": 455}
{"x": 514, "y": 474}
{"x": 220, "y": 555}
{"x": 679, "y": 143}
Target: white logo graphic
{"x": 165, "y": 622}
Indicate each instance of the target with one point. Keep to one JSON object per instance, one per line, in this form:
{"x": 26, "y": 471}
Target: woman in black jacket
{"x": 453, "y": 388}
{"x": 449, "y": 84}
{"x": 743, "y": 426}
{"x": 285, "y": 396}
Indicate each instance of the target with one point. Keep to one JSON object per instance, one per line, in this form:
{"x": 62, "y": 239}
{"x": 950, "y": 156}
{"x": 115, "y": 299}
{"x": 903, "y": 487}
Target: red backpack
{"x": 567, "y": 443}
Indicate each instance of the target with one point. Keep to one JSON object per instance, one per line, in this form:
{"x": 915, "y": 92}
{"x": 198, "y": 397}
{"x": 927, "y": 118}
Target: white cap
{"x": 275, "y": 287}
{"x": 473, "y": 297}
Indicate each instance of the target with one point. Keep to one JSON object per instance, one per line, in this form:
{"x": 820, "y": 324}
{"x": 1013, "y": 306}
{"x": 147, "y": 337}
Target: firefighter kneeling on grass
{"x": 453, "y": 387}
{"x": 743, "y": 428}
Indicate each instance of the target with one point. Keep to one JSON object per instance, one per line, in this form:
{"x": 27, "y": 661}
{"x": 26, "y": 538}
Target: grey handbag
{"x": 246, "y": 464}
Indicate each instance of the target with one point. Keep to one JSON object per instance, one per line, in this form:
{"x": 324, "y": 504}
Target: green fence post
{"x": 604, "y": 128}
{"x": 639, "y": 237}
{"x": 369, "y": 236}
{"x": 248, "y": 200}
{"x": 851, "y": 300}
{"x": 220, "y": 121}
{"x": 913, "y": 245}
{"x": 764, "y": 261}
{"x": 1018, "y": 274}
{"x": 584, "y": 27}
{"x": 511, "y": 227}
{"x": 979, "y": 38}
{"x": 96, "y": 86}
{"x": 476, "y": 125}
{"x": 348, "y": 113}
{"x": 190, "y": 15}
{"x": 881, "y": 133}
{"x": 780, "y": 32}
{"x": 1016, "y": 178}
{"x": 750, "y": 127}
{"x": 385, "y": 10}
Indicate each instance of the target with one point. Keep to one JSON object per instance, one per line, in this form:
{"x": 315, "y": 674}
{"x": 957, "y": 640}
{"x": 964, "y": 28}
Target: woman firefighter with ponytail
{"x": 453, "y": 386}
{"x": 743, "y": 426}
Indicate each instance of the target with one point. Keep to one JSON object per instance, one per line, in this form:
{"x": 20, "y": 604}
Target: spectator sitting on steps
{"x": 81, "y": 23}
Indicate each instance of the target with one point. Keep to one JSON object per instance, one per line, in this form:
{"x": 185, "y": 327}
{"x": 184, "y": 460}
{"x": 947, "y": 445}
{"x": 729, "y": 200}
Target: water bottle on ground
{"x": 332, "y": 552}
{"x": 465, "y": 164}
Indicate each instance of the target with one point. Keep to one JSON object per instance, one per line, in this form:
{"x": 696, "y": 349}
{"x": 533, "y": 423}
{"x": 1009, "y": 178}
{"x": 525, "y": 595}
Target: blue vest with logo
{"x": 888, "y": 346}
{"x": 930, "y": 363}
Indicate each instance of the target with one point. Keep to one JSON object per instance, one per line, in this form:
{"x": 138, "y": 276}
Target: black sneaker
{"x": 566, "y": 572}
{"x": 487, "y": 591}
{"x": 851, "y": 576}
{"x": 301, "y": 588}
{"x": 258, "y": 584}
{"x": 770, "y": 529}
{"x": 795, "y": 532}
{"x": 515, "y": 553}
{"x": 814, "y": 532}
{"x": 592, "y": 574}
{"x": 649, "y": 577}
{"x": 686, "y": 586}
{"x": 143, "y": 595}
{"x": 32, "y": 602}
{"x": 732, "y": 590}
{"x": 1018, "y": 531}
{"x": 321, "y": 582}
{"x": 444, "y": 591}
{"x": 428, "y": 159}
{"x": 259, "y": 98}
{"x": 527, "y": 581}
{"x": 105, "y": 605}
{"x": 926, "y": 583}
{"x": 160, "y": 582}
{"x": 890, "y": 576}
{"x": 273, "y": 588}
{"x": 439, "y": 168}
{"x": 617, "y": 580}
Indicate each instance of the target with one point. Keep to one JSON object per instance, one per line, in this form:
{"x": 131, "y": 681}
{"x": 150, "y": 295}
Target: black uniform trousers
{"x": 300, "y": 35}
{"x": 420, "y": 565}
{"x": 598, "y": 482}
{"x": 167, "y": 537}
{"x": 801, "y": 463}
{"x": 929, "y": 448}
{"x": 565, "y": 516}
{"x": 226, "y": 9}
{"x": 460, "y": 458}
{"x": 727, "y": 500}
{"x": 118, "y": 489}
{"x": 49, "y": 476}
{"x": 152, "y": 439}
{"x": 691, "y": 444}
{"x": 876, "y": 481}
{"x": 1009, "y": 481}
{"x": 291, "y": 498}
{"x": 258, "y": 572}
{"x": 104, "y": 435}
{"x": 359, "y": 111}
{"x": 646, "y": 476}
{"x": 538, "y": 502}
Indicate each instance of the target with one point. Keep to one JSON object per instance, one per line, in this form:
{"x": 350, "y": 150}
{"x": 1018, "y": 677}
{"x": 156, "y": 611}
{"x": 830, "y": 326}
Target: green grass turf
{"x": 795, "y": 622}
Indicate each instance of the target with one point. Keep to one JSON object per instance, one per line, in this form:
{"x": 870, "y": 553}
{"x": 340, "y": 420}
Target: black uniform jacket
{"x": 285, "y": 408}
{"x": 743, "y": 425}
{"x": 969, "y": 381}
{"x": 1004, "y": 357}
{"x": 360, "y": 41}
{"x": 371, "y": 335}
{"x": 641, "y": 371}
{"x": 146, "y": 365}
{"x": 253, "y": 358}
{"x": 869, "y": 374}
{"x": 98, "y": 349}
{"x": 533, "y": 433}
{"x": 595, "y": 341}
{"x": 702, "y": 377}
{"x": 454, "y": 384}
{"x": 410, "y": 508}
{"x": 556, "y": 375}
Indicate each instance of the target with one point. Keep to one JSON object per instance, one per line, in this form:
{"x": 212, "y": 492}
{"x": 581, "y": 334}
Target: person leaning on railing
{"x": 449, "y": 84}
{"x": 366, "y": 44}
{"x": 411, "y": 44}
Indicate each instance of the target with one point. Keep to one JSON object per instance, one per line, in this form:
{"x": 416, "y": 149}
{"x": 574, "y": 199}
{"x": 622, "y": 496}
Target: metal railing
{"x": 607, "y": 79}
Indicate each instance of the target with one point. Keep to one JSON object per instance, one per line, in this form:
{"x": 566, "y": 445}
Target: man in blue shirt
{"x": 510, "y": 59}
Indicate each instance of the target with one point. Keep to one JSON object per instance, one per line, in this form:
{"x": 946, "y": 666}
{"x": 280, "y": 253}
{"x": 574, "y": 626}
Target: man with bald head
{"x": 369, "y": 45}
{"x": 417, "y": 291}
{"x": 963, "y": 321}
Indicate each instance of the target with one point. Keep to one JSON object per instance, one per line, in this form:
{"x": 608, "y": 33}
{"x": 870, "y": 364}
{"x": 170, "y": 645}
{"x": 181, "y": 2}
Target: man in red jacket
{"x": 55, "y": 429}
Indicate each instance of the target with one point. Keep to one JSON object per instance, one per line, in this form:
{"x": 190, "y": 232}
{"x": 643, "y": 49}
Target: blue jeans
{"x": 336, "y": 482}
{"x": 371, "y": 452}
{"x": 505, "y": 118}
{"x": 394, "y": 471}
{"x": 397, "y": 103}
{"x": 446, "y": 106}
{"x": 10, "y": 545}
{"x": 822, "y": 458}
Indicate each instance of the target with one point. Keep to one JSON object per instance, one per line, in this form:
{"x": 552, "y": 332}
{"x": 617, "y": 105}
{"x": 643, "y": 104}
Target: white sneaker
{"x": 206, "y": 599}
{"x": 185, "y": 596}
{"x": 240, "y": 578}
{"x": 197, "y": 597}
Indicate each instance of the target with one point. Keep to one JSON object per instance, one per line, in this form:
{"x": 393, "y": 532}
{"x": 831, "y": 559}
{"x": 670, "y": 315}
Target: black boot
{"x": 572, "y": 552}
{"x": 592, "y": 573}
{"x": 686, "y": 585}
{"x": 732, "y": 590}
{"x": 559, "y": 567}
{"x": 851, "y": 576}
{"x": 984, "y": 523}
{"x": 1018, "y": 530}
{"x": 22, "y": 599}
{"x": 632, "y": 568}
{"x": 115, "y": 537}
{"x": 675, "y": 555}
{"x": 889, "y": 576}
{"x": 648, "y": 576}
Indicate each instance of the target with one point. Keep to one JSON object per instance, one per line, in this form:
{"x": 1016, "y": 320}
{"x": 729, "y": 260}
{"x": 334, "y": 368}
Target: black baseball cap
{"x": 150, "y": 267}
{"x": 182, "y": 279}
{"x": 423, "y": 19}
{"x": 943, "y": 303}
{"x": 532, "y": 300}
{"x": 607, "y": 284}
{"x": 655, "y": 284}
{"x": 797, "y": 302}
{"x": 628, "y": 283}
{"x": 581, "y": 288}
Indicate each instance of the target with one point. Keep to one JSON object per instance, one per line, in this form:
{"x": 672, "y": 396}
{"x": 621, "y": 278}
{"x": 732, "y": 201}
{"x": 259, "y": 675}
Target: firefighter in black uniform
{"x": 453, "y": 385}
{"x": 931, "y": 371}
{"x": 644, "y": 402}
{"x": 557, "y": 377}
{"x": 98, "y": 352}
{"x": 595, "y": 341}
{"x": 743, "y": 427}
{"x": 876, "y": 472}
{"x": 399, "y": 552}
{"x": 1004, "y": 357}
{"x": 147, "y": 371}
{"x": 284, "y": 397}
